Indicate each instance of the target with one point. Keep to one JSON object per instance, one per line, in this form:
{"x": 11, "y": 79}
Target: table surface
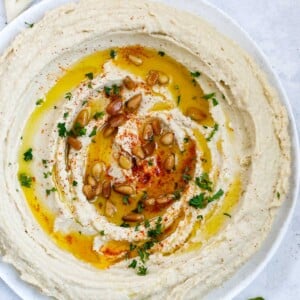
{"x": 275, "y": 26}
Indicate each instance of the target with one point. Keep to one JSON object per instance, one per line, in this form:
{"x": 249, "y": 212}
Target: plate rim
{"x": 12, "y": 277}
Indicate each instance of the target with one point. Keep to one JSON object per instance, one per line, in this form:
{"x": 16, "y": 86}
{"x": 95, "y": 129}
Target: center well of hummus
{"x": 135, "y": 163}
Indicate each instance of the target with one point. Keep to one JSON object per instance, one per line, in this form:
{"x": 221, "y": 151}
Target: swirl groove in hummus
{"x": 145, "y": 148}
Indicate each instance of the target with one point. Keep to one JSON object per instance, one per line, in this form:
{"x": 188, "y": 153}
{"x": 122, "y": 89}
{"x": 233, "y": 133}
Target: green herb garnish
{"x": 227, "y": 214}
{"x": 30, "y": 25}
{"x": 203, "y": 182}
{"x": 133, "y": 264}
{"x": 142, "y": 270}
{"x": 74, "y": 183}
{"x": 39, "y": 102}
{"x": 93, "y": 132}
{"x": 161, "y": 53}
{"x": 68, "y": 95}
{"x": 27, "y": 156}
{"x": 49, "y": 191}
{"x": 25, "y": 180}
{"x": 66, "y": 114}
{"x": 62, "y": 131}
{"x": 113, "y": 53}
{"x": 195, "y": 74}
{"x": 98, "y": 115}
{"x": 90, "y": 76}
{"x": 215, "y": 129}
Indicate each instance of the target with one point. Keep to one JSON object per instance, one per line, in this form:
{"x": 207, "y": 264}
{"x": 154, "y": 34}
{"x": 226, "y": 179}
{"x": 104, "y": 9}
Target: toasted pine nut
{"x": 149, "y": 148}
{"x": 148, "y": 132}
{"x": 108, "y": 131}
{"x": 149, "y": 202}
{"x": 74, "y": 143}
{"x": 124, "y": 189}
{"x": 97, "y": 169}
{"x": 169, "y": 162}
{"x": 125, "y": 162}
{"x": 106, "y": 189}
{"x": 164, "y": 199}
{"x": 114, "y": 107}
{"x": 135, "y": 59}
{"x": 152, "y": 77}
{"x": 98, "y": 189}
{"x": 156, "y": 126}
{"x": 167, "y": 138}
{"x": 196, "y": 114}
{"x": 88, "y": 191}
{"x": 83, "y": 117}
{"x": 138, "y": 152}
{"x": 110, "y": 209}
{"x": 129, "y": 83}
{"x": 163, "y": 78}
{"x": 133, "y": 217}
{"x": 117, "y": 120}
{"x": 134, "y": 102}
{"x": 91, "y": 181}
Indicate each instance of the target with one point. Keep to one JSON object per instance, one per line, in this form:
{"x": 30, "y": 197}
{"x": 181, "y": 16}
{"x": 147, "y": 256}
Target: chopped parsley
{"x": 25, "y": 180}
{"x": 78, "y": 130}
{"x": 161, "y": 53}
{"x": 186, "y": 139}
{"x": 186, "y": 177}
{"x": 116, "y": 89}
{"x": 27, "y": 156}
{"x": 66, "y": 114}
{"x": 74, "y": 183}
{"x": 209, "y": 96}
{"x": 278, "y": 195}
{"x": 107, "y": 90}
{"x": 49, "y": 191}
{"x": 39, "y": 102}
{"x": 256, "y": 298}
{"x": 199, "y": 217}
{"x": 203, "y": 182}
{"x": 215, "y": 129}
{"x": 133, "y": 264}
{"x": 98, "y": 115}
{"x": 215, "y": 102}
{"x": 47, "y": 174}
{"x": 142, "y": 271}
{"x": 62, "y": 130}
{"x": 90, "y": 76}
{"x": 201, "y": 200}
{"x": 177, "y": 194}
{"x": 147, "y": 223}
{"x": 157, "y": 230}
{"x": 195, "y": 74}
{"x": 68, "y": 95}
{"x": 30, "y": 25}
{"x": 113, "y": 53}
{"x": 198, "y": 201}
{"x": 150, "y": 162}
{"x": 125, "y": 225}
{"x": 93, "y": 132}
{"x": 227, "y": 214}
{"x": 102, "y": 232}
{"x": 178, "y": 100}
{"x": 125, "y": 199}
{"x": 132, "y": 247}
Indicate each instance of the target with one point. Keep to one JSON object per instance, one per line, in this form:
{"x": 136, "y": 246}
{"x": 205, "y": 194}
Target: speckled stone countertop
{"x": 275, "y": 26}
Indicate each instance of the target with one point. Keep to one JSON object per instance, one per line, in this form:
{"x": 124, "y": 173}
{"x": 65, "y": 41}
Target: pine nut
{"x": 149, "y": 202}
{"x": 88, "y": 191}
{"x": 74, "y": 143}
{"x": 167, "y": 138}
{"x": 148, "y": 132}
{"x": 134, "y": 102}
{"x": 117, "y": 120}
{"x": 163, "y": 78}
{"x": 129, "y": 83}
{"x": 114, "y": 107}
{"x": 106, "y": 189}
{"x": 98, "y": 169}
{"x": 133, "y": 217}
{"x": 196, "y": 114}
{"x": 83, "y": 117}
{"x": 156, "y": 126}
{"x": 169, "y": 163}
{"x": 138, "y": 152}
{"x": 110, "y": 209}
{"x": 124, "y": 189}
{"x": 149, "y": 148}
{"x": 125, "y": 162}
{"x": 135, "y": 59}
{"x": 108, "y": 131}
{"x": 152, "y": 77}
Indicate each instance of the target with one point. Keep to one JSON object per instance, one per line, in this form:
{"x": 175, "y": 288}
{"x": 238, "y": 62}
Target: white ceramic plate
{"x": 228, "y": 27}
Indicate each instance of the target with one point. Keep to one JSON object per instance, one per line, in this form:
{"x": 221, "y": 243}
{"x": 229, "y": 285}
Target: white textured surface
{"x": 275, "y": 26}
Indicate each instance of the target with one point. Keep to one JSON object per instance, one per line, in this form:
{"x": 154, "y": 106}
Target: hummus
{"x": 141, "y": 158}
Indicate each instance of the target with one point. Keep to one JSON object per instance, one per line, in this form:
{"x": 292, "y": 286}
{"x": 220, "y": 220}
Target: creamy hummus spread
{"x": 141, "y": 158}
